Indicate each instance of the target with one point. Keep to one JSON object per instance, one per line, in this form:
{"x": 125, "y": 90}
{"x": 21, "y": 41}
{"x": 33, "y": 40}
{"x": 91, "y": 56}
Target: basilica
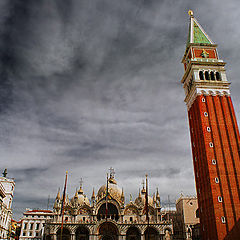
{"x": 107, "y": 216}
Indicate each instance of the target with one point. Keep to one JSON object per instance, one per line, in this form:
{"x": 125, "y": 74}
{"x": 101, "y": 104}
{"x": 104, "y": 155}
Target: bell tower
{"x": 214, "y": 136}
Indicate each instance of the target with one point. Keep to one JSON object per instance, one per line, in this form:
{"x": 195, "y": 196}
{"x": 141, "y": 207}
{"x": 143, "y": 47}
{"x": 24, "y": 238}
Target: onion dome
{"x": 80, "y": 198}
{"x": 113, "y": 190}
{"x": 140, "y": 200}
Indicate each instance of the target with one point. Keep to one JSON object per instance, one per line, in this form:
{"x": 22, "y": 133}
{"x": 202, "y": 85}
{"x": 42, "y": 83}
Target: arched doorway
{"x": 65, "y": 234}
{"x": 82, "y": 233}
{"x": 151, "y": 234}
{"x": 108, "y": 231}
{"x": 48, "y": 237}
{"x": 133, "y": 234}
{"x": 111, "y": 212}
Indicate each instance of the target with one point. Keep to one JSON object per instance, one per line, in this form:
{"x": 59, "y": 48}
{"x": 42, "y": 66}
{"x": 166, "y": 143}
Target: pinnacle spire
{"x": 80, "y": 191}
{"x": 154, "y": 199}
{"x": 139, "y": 193}
{"x": 76, "y": 195}
{"x": 122, "y": 193}
{"x": 157, "y": 195}
{"x": 196, "y": 33}
{"x": 122, "y": 196}
{"x": 58, "y": 194}
{"x": 67, "y": 201}
{"x": 93, "y": 194}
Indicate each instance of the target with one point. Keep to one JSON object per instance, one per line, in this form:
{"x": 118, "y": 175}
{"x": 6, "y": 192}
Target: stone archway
{"x": 151, "y": 234}
{"x": 133, "y": 233}
{"x": 82, "y": 233}
{"x": 108, "y": 231}
{"x": 65, "y": 234}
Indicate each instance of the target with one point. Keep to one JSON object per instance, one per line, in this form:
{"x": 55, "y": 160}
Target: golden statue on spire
{"x": 190, "y": 13}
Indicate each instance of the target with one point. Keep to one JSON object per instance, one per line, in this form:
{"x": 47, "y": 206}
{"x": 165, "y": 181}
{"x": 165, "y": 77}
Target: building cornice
{"x": 209, "y": 89}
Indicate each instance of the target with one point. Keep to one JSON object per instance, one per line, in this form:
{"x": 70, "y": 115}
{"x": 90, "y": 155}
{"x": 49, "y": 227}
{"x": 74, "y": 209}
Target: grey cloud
{"x": 86, "y": 85}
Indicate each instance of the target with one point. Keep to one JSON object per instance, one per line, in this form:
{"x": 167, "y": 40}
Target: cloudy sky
{"x": 87, "y": 85}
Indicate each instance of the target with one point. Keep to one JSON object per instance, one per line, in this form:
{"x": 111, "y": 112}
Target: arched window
{"x": 218, "y": 76}
{"x": 212, "y": 75}
{"x": 207, "y": 75}
{"x": 111, "y": 212}
{"x": 201, "y": 75}
{"x": 108, "y": 231}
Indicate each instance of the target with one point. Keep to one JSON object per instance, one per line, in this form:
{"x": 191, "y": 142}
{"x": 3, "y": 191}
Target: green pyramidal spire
{"x": 196, "y": 33}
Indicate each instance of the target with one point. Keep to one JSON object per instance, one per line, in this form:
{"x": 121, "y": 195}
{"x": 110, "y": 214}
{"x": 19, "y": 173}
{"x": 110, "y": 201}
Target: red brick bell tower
{"x": 214, "y": 136}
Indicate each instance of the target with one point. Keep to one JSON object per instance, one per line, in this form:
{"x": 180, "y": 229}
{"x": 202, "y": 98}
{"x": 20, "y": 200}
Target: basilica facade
{"x": 108, "y": 217}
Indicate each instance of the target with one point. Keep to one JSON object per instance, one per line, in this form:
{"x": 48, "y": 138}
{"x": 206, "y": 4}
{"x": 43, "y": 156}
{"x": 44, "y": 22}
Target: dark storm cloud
{"x": 87, "y": 84}
{"x": 156, "y": 173}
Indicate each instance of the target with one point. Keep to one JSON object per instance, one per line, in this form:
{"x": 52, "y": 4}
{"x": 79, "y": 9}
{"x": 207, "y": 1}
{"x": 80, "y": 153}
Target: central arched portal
{"x": 82, "y": 233}
{"x": 64, "y": 234}
{"x": 108, "y": 231}
{"x": 133, "y": 234}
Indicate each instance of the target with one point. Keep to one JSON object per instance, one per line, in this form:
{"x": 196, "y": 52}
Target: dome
{"x": 140, "y": 200}
{"x": 113, "y": 190}
{"x": 80, "y": 198}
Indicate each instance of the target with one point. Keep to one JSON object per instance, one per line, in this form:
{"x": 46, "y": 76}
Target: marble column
{"x": 73, "y": 237}
{"x": 92, "y": 237}
{"x": 122, "y": 237}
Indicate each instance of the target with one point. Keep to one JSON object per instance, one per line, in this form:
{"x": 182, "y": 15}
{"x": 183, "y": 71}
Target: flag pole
{"x": 63, "y": 204}
{"x": 146, "y": 204}
{"x": 107, "y": 198}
